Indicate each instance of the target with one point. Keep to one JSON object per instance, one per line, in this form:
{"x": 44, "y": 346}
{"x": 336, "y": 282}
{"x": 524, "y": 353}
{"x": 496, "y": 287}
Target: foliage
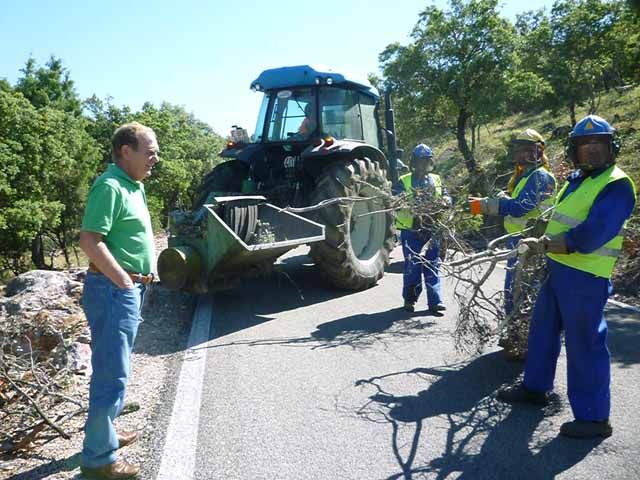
{"x": 46, "y": 160}
{"x": 453, "y": 69}
{"x": 49, "y": 86}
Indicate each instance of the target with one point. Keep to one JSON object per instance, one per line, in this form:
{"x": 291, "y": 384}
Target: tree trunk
{"x": 477, "y": 180}
{"x": 37, "y": 253}
{"x": 572, "y": 113}
{"x": 467, "y": 154}
{"x": 473, "y": 137}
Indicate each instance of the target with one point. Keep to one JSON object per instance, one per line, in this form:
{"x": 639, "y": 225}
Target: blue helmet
{"x": 422, "y": 151}
{"x": 592, "y": 125}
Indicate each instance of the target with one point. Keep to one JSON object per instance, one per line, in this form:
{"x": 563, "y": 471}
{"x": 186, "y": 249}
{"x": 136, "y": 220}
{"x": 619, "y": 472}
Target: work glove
{"x": 535, "y": 245}
{"x": 485, "y": 206}
{"x": 538, "y": 226}
{"x": 556, "y": 244}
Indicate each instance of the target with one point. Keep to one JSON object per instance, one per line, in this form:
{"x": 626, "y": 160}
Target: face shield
{"x": 525, "y": 153}
{"x": 423, "y": 165}
{"x": 592, "y": 152}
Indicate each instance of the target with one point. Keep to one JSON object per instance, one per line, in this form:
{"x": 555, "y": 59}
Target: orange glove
{"x": 474, "y": 205}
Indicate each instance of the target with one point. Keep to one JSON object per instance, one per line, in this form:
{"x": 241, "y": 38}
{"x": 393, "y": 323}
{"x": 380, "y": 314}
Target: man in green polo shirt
{"x": 117, "y": 237}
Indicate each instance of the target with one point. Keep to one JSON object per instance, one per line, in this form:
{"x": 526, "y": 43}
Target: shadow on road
{"x": 396, "y": 266}
{"x": 365, "y": 329}
{"x": 624, "y": 335}
{"x": 356, "y": 331}
{"x": 464, "y": 396}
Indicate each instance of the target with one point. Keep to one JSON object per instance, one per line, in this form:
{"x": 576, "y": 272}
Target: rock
{"x": 79, "y": 358}
{"x": 38, "y": 289}
{"x": 85, "y": 336}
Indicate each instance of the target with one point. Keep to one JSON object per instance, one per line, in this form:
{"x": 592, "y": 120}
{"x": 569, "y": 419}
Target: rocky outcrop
{"x": 40, "y": 313}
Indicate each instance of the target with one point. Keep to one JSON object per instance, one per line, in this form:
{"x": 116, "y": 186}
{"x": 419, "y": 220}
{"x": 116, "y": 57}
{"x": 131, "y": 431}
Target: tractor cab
{"x": 303, "y": 106}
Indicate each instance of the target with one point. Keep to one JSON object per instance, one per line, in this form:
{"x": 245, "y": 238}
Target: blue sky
{"x": 203, "y": 54}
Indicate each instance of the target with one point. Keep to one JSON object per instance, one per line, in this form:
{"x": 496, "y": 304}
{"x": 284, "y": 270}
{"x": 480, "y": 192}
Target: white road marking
{"x": 179, "y": 453}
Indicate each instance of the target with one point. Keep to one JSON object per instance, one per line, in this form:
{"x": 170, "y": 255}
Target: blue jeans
{"x": 412, "y": 243}
{"x": 113, "y": 314}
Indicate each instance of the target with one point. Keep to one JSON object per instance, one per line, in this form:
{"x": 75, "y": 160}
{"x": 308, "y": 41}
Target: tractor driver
{"x": 308, "y": 125}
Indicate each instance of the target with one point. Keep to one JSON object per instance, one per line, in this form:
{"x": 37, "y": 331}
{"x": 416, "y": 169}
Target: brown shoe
{"x": 116, "y": 470}
{"x": 126, "y": 438}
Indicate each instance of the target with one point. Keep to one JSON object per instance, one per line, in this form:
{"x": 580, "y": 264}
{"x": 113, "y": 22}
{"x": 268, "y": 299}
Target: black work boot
{"x": 519, "y": 394}
{"x": 409, "y": 306}
{"x": 586, "y": 429}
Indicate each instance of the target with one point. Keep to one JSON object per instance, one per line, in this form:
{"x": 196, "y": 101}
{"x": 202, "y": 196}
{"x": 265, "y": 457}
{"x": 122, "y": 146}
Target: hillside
{"x": 622, "y": 109}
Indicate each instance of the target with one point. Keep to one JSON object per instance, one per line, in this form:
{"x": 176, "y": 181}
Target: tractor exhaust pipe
{"x": 391, "y": 136}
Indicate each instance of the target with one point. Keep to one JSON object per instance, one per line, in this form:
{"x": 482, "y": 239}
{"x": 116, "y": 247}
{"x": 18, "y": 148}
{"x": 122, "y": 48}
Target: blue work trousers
{"x": 114, "y": 315}
{"x": 414, "y": 272}
{"x": 573, "y": 301}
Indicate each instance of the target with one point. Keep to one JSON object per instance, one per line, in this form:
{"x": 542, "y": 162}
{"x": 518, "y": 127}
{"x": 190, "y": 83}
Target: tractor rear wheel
{"x": 358, "y": 241}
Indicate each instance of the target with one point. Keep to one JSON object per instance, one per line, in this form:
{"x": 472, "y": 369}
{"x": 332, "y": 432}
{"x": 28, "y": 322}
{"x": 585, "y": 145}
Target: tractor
{"x": 313, "y": 172}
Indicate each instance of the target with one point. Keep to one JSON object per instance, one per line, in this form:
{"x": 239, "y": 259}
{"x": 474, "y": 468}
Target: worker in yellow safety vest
{"x": 530, "y": 193}
{"x": 421, "y": 185}
{"x": 582, "y": 242}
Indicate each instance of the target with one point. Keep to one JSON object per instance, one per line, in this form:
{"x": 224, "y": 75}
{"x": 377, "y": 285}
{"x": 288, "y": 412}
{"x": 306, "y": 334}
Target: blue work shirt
{"x": 611, "y": 208}
{"x": 540, "y": 185}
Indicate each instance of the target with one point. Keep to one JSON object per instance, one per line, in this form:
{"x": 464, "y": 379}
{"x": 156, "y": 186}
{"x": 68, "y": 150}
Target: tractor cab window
{"x": 340, "y": 113}
{"x": 369, "y": 123}
{"x": 293, "y": 116}
{"x": 257, "y": 136}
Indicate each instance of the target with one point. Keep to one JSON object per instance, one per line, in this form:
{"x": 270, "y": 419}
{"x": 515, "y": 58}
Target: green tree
{"x": 46, "y": 160}
{"x": 49, "y": 86}
{"x": 454, "y": 68}
{"x": 625, "y": 44}
{"x": 528, "y": 88}
{"x": 581, "y": 52}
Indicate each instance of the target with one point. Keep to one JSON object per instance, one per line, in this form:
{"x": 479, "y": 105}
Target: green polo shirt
{"x": 117, "y": 209}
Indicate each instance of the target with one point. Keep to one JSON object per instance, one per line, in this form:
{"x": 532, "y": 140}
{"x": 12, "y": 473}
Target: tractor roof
{"x": 304, "y": 76}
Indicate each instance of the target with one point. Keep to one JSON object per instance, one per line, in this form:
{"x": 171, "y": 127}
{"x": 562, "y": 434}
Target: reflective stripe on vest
{"x": 517, "y": 224}
{"x": 404, "y": 218}
{"x": 573, "y": 210}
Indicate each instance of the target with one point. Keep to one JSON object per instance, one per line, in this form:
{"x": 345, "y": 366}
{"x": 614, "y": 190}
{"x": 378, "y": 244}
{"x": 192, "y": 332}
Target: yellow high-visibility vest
{"x": 517, "y": 224}
{"x": 573, "y": 210}
{"x": 404, "y": 218}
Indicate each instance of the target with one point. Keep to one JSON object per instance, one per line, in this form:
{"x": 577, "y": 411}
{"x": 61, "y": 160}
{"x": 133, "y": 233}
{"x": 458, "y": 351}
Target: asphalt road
{"x": 306, "y": 382}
